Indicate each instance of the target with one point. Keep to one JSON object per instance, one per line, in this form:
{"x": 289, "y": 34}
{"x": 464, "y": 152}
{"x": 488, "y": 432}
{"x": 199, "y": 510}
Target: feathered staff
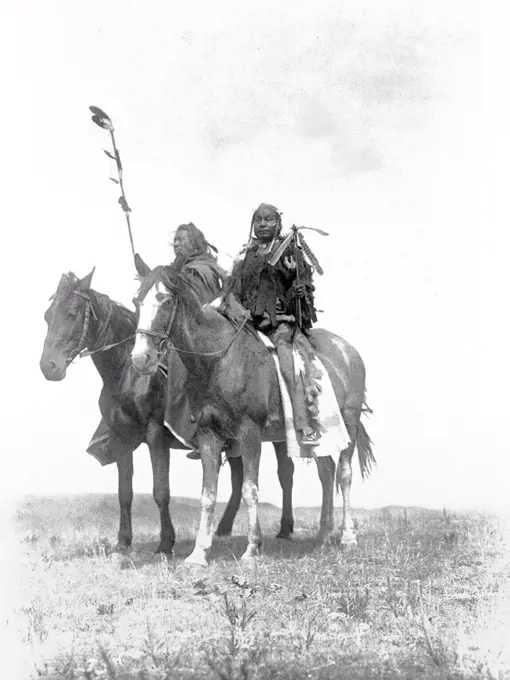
{"x": 104, "y": 121}
{"x": 300, "y": 245}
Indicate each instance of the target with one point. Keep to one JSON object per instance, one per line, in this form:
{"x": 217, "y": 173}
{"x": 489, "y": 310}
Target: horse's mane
{"x": 157, "y": 275}
{"x": 105, "y": 307}
{"x": 119, "y": 314}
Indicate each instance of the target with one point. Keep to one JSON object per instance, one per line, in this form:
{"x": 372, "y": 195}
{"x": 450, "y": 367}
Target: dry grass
{"x": 419, "y": 598}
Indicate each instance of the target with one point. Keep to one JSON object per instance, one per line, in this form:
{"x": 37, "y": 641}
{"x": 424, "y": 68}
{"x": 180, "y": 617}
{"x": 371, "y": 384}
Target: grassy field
{"x": 422, "y": 597}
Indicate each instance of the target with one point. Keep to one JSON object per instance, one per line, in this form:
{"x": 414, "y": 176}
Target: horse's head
{"x": 155, "y": 304}
{"x": 68, "y": 319}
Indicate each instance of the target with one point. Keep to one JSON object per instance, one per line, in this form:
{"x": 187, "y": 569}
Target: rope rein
{"x": 211, "y": 354}
{"x": 165, "y": 344}
{"x": 164, "y": 336}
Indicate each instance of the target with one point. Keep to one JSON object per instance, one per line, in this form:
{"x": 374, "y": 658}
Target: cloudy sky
{"x": 382, "y": 123}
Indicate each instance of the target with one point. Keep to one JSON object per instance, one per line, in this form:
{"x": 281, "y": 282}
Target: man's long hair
{"x": 198, "y": 240}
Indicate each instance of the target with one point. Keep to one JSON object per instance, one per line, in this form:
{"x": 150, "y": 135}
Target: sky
{"x": 383, "y": 123}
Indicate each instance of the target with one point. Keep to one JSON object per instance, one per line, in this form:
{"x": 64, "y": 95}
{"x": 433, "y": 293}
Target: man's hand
{"x": 299, "y": 290}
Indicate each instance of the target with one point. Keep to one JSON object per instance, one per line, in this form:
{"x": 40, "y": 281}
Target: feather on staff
{"x": 103, "y": 120}
{"x": 299, "y": 240}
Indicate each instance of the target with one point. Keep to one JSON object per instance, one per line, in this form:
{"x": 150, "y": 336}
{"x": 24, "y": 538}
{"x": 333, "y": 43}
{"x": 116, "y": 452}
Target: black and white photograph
{"x": 255, "y": 340}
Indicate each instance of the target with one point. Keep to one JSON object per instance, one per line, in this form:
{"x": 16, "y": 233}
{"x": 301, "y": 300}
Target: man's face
{"x": 182, "y": 242}
{"x": 265, "y": 222}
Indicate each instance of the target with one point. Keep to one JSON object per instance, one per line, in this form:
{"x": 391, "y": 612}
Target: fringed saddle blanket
{"x": 335, "y": 437}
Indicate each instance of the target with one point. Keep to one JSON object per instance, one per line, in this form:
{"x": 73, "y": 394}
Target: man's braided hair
{"x": 278, "y": 214}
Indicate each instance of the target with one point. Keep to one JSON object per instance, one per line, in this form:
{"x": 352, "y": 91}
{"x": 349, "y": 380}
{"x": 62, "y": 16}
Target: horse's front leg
{"x": 236, "y": 475}
{"x": 210, "y": 453}
{"x": 286, "y": 478}
{"x": 160, "y": 460}
{"x": 251, "y": 445}
{"x": 326, "y": 467}
{"x": 124, "y": 458}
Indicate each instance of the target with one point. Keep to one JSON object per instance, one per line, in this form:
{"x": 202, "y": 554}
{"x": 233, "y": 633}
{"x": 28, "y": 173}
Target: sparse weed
{"x": 354, "y": 602}
{"x": 37, "y": 627}
{"x": 392, "y": 609}
{"x": 302, "y": 642}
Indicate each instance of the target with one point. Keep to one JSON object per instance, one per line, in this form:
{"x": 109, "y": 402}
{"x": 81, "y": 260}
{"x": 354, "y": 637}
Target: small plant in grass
{"x": 156, "y": 649}
{"x": 241, "y": 654}
{"x": 239, "y": 617}
{"x": 450, "y": 536}
{"x": 303, "y": 641}
{"x": 401, "y": 601}
{"x": 354, "y": 602}
{"x": 37, "y": 628}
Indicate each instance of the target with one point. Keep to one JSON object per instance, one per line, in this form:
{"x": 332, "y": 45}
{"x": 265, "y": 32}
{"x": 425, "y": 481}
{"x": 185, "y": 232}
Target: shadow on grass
{"x": 228, "y": 550}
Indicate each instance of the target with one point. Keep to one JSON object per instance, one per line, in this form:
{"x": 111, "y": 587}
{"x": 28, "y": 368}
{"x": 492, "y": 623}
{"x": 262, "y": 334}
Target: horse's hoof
{"x": 223, "y": 533}
{"x": 223, "y": 537}
{"x": 324, "y": 538}
{"x": 191, "y": 564}
{"x": 196, "y": 560}
{"x": 250, "y": 557}
{"x": 348, "y": 541}
{"x": 283, "y": 535}
{"x": 122, "y": 548}
{"x": 164, "y": 550}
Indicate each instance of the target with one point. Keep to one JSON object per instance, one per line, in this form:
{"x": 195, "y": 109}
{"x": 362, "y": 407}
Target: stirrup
{"x": 312, "y": 439}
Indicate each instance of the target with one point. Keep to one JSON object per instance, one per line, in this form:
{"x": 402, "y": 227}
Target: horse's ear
{"x": 142, "y": 268}
{"x": 84, "y": 284}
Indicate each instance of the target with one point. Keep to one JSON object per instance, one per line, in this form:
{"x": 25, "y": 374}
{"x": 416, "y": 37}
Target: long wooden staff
{"x": 299, "y": 308}
{"x": 104, "y": 121}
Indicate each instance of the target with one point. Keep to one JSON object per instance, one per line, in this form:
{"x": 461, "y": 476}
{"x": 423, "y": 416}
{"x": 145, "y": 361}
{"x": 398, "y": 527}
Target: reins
{"x": 165, "y": 344}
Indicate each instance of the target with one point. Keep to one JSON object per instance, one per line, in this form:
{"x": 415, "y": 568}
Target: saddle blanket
{"x": 335, "y": 437}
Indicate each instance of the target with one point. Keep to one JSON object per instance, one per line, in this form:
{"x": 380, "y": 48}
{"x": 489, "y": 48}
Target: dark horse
{"x": 132, "y": 404}
{"x": 234, "y": 394}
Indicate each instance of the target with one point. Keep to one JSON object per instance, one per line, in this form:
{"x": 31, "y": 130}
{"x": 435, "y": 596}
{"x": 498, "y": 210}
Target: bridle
{"x": 80, "y": 348}
{"x": 164, "y": 338}
{"x": 89, "y": 311}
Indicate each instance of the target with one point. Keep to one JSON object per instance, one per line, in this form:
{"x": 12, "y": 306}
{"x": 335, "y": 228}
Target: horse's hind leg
{"x": 236, "y": 475}
{"x": 286, "y": 477}
{"x": 326, "y": 468}
{"x": 124, "y": 458}
{"x": 351, "y": 418}
{"x": 160, "y": 460}
{"x": 251, "y": 444}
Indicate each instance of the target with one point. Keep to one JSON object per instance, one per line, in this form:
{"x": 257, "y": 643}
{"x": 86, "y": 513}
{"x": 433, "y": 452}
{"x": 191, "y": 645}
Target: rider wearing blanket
{"x": 199, "y": 264}
{"x": 271, "y": 294}
{"x": 206, "y": 278}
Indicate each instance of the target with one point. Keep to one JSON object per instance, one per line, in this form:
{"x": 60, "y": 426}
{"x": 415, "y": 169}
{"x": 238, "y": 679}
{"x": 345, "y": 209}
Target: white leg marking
{"x": 211, "y": 466}
{"x": 251, "y": 497}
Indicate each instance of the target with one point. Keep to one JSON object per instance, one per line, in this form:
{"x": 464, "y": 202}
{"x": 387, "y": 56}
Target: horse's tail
{"x": 365, "y": 454}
